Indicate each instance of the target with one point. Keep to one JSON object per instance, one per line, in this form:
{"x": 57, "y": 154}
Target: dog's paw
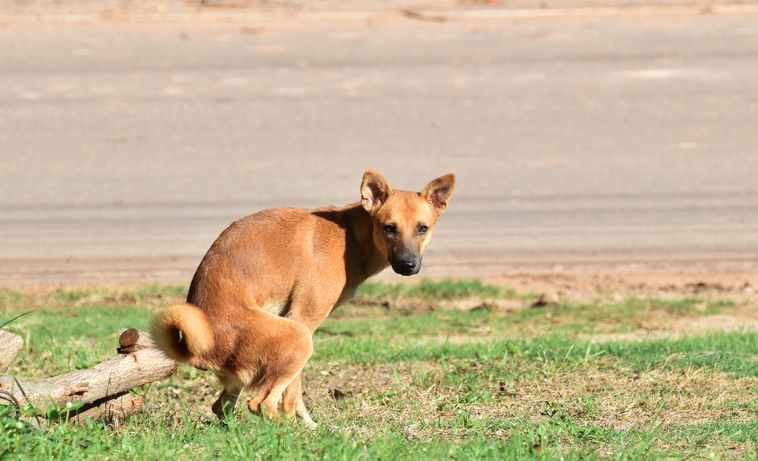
{"x": 305, "y": 418}
{"x": 310, "y": 425}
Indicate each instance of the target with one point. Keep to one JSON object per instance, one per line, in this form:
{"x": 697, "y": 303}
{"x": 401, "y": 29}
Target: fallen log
{"x": 110, "y": 409}
{"x": 10, "y": 346}
{"x": 103, "y": 388}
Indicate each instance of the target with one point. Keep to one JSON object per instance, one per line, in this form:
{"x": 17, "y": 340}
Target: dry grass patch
{"x": 598, "y": 395}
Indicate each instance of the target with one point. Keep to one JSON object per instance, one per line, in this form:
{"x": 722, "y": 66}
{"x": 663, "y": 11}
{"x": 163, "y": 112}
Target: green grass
{"x": 434, "y": 290}
{"x": 245, "y": 438}
{"x": 531, "y": 383}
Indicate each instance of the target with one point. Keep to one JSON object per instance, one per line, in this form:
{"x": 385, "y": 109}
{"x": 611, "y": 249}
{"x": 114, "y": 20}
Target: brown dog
{"x": 271, "y": 278}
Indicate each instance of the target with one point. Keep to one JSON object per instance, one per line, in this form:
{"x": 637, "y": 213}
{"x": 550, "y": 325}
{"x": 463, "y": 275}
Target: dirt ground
{"x": 739, "y": 286}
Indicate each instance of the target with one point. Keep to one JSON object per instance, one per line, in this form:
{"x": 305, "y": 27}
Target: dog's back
{"x": 277, "y": 258}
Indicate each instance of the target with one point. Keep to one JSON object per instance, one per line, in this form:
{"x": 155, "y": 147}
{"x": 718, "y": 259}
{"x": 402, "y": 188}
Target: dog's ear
{"x": 438, "y": 192}
{"x": 374, "y": 191}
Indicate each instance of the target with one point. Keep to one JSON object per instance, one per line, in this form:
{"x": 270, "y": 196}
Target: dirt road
{"x": 622, "y": 142}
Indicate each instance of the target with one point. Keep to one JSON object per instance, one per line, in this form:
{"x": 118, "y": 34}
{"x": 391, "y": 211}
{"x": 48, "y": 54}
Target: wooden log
{"x": 106, "y": 384}
{"x": 111, "y": 409}
{"x": 10, "y": 346}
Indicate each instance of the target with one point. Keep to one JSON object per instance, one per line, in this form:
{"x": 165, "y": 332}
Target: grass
{"x": 404, "y": 373}
{"x": 434, "y": 290}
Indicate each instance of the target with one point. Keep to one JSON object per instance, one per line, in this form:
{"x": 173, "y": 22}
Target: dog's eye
{"x": 423, "y": 229}
{"x": 390, "y": 229}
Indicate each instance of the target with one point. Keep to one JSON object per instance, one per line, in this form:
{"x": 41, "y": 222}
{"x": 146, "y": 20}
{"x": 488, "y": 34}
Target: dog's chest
{"x": 347, "y": 295}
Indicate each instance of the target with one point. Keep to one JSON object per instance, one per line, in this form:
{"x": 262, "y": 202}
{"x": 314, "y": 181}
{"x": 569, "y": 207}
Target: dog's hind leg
{"x": 275, "y": 381}
{"x": 267, "y": 399}
{"x": 291, "y": 352}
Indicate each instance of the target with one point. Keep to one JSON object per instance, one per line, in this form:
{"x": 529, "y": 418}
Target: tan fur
{"x": 167, "y": 327}
{"x": 271, "y": 278}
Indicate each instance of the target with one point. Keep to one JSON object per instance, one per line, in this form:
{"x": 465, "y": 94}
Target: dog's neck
{"x": 370, "y": 260}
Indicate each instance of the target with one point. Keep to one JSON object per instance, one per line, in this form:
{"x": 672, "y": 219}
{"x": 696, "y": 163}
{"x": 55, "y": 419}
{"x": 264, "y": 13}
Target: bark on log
{"x": 10, "y": 346}
{"x": 104, "y": 385}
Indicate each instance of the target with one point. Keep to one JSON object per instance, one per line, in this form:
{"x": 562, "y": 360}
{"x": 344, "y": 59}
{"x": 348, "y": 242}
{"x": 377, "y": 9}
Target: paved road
{"x": 606, "y": 143}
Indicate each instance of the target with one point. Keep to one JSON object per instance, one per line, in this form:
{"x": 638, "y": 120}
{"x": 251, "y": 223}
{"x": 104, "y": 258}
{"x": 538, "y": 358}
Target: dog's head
{"x": 403, "y": 220}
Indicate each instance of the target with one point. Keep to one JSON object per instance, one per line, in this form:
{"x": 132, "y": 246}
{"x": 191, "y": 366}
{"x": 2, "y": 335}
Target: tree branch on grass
{"x": 10, "y": 346}
{"x": 103, "y": 388}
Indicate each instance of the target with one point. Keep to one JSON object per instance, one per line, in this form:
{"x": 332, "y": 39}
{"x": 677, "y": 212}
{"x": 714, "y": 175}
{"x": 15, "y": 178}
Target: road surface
{"x": 584, "y": 143}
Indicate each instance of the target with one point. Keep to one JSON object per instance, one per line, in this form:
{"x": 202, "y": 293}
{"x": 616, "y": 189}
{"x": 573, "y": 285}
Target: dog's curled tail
{"x": 183, "y": 332}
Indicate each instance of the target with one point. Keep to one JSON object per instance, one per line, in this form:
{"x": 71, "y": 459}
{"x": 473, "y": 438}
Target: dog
{"x": 271, "y": 278}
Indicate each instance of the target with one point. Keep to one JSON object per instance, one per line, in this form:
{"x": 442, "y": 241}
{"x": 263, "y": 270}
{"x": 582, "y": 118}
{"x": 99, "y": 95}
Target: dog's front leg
{"x": 292, "y": 402}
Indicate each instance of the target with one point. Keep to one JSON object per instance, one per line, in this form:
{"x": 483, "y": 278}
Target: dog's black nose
{"x": 403, "y": 266}
{"x": 407, "y": 266}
